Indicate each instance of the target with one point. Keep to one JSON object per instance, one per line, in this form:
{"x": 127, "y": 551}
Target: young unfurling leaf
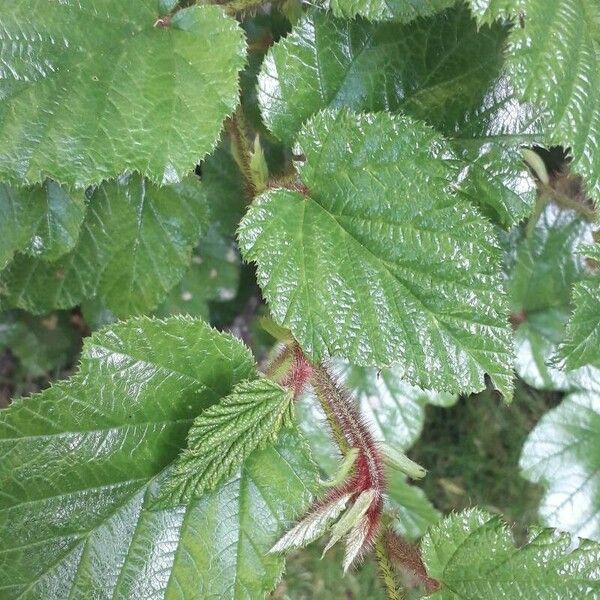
{"x": 224, "y": 435}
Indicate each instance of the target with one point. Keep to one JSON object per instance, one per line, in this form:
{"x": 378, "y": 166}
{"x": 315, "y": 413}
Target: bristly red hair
{"x": 407, "y": 556}
{"x": 368, "y": 472}
{"x": 299, "y": 372}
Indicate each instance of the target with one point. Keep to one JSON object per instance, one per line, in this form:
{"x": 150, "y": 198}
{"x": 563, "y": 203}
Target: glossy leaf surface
{"x": 87, "y": 93}
{"x": 41, "y": 220}
{"x": 563, "y": 454}
{"x": 84, "y": 461}
{"x": 380, "y": 263}
{"x": 472, "y": 554}
{"x": 421, "y": 68}
{"x": 561, "y": 77}
{"x": 382, "y": 10}
{"x": 135, "y": 245}
{"x": 426, "y": 69}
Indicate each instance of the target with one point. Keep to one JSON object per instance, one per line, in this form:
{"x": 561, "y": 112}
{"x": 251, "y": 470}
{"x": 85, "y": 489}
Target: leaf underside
{"x": 582, "y": 344}
{"x": 563, "y": 454}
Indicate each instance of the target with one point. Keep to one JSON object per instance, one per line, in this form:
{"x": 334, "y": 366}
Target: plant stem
{"x": 408, "y": 557}
{"x": 334, "y": 423}
{"x": 350, "y": 432}
{"x": 242, "y": 149}
{"x": 394, "y": 589}
{"x": 565, "y": 201}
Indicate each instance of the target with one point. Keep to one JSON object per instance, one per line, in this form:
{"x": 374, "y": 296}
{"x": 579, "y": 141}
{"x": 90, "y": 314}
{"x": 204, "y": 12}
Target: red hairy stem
{"x": 350, "y": 431}
{"x": 365, "y": 486}
{"x": 290, "y": 368}
{"x": 387, "y": 572}
{"x": 407, "y": 556}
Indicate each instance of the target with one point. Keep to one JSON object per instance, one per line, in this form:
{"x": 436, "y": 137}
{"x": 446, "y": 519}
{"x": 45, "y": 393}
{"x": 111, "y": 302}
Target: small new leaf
{"x": 398, "y": 460}
{"x": 312, "y": 526}
{"x": 344, "y": 470}
{"x": 258, "y": 166}
{"x": 352, "y": 518}
{"x": 224, "y": 435}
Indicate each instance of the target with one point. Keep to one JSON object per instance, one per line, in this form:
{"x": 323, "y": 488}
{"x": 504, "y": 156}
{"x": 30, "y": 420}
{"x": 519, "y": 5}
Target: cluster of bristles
{"x": 358, "y": 490}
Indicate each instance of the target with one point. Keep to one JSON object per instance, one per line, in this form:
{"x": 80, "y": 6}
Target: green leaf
{"x": 394, "y": 409}
{"x": 135, "y": 245}
{"x": 582, "y": 346}
{"x": 413, "y": 511}
{"x": 223, "y": 436}
{"x": 382, "y": 10}
{"x": 422, "y": 68}
{"x": 379, "y": 263}
{"x": 545, "y": 268}
{"x": 214, "y": 275}
{"x": 487, "y": 11}
{"x": 563, "y": 76}
{"x": 42, "y": 220}
{"x": 537, "y": 362}
{"x": 223, "y": 188}
{"x": 473, "y": 556}
{"x": 488, "y": 141}
{"x": 563, "y": 454}
{"x": 425, "y": 69}
{"x": 84, "y": 462}
{"x": 547, "y": 264}
{"x": 88, "y": 94}
{"x": 40, "y": 344}
{"x": 96, "y": 315}
{"x": 57, "y": 223}
{"x": 223, "y": 551}
{"x": 313, "y": 424}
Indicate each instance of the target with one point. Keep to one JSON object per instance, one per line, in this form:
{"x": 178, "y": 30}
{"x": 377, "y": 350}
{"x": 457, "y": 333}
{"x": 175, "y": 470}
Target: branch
{"x": 349, "y": 431}
{"x": 242, "y": 149}
{"x": 393, "y": 588}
